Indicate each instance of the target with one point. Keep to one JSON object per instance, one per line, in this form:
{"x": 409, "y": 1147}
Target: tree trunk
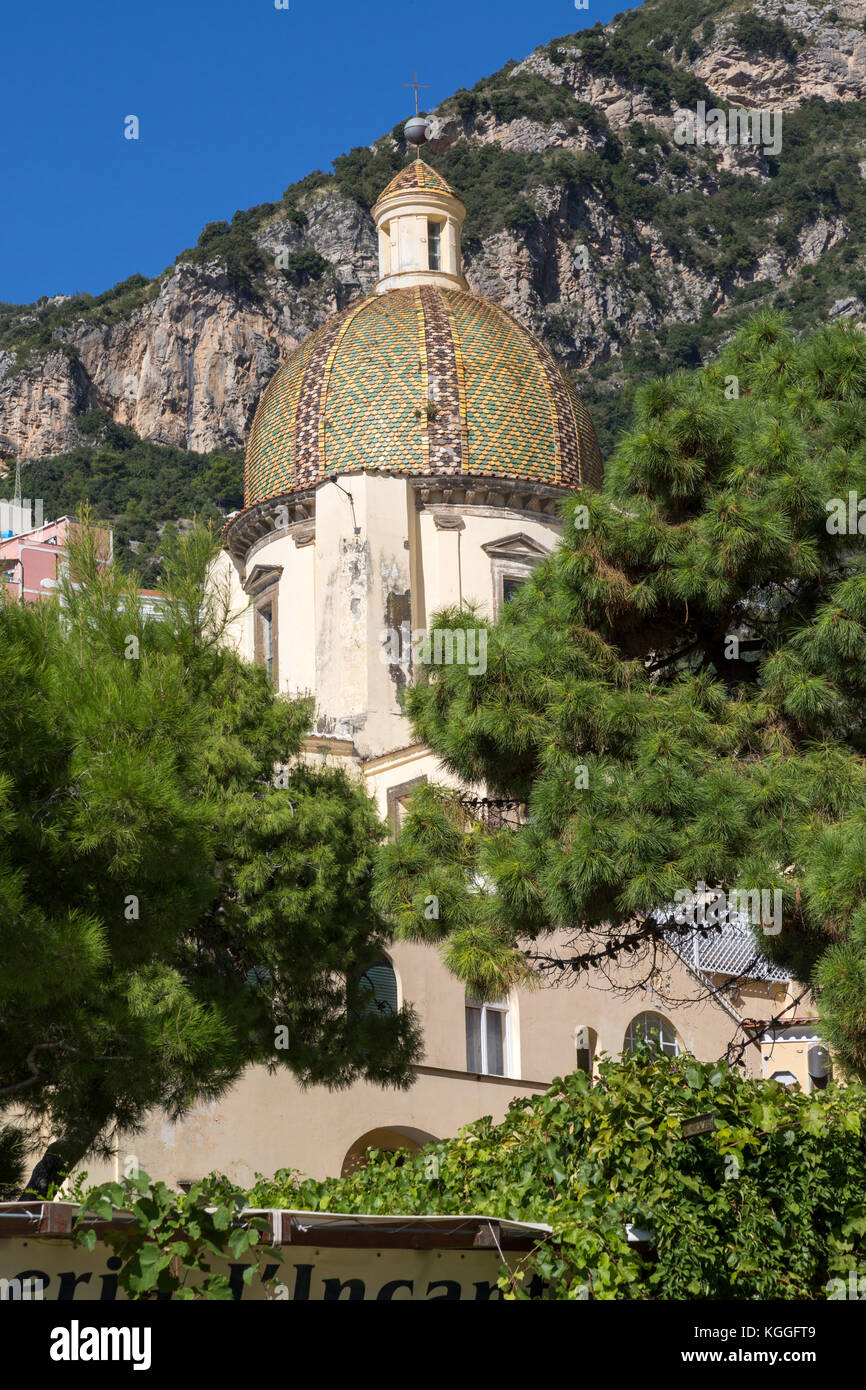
{"x": 58, "y": 1161}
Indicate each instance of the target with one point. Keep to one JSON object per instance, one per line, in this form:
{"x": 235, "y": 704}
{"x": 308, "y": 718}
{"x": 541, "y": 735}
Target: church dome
{"x": 426, "y": 381}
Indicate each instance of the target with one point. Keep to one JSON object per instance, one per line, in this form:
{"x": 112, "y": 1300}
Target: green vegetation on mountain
{"x": 525, "y": 96}
{"x": 137, "y": 487}
{"x": 772, "y": 37}
{"x": 233, "y": 245}
{"x": 663, "y": 23}
{"x": 40, "y": 327}
{"x": 625, "y": 57}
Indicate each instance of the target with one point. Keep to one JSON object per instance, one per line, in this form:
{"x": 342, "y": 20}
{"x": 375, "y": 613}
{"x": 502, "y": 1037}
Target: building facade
{"x": 33, "y": 558}
{"x": 408, "y": 458}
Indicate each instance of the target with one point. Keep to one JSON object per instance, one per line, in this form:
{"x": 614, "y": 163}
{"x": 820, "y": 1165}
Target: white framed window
{"x": 434, "y": 245}
{"x": 654, "y": 1030}
{"x": 488, "y": 1037}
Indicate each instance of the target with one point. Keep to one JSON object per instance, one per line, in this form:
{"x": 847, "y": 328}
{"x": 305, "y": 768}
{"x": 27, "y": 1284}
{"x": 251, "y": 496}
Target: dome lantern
{"x": 419, "y": 220}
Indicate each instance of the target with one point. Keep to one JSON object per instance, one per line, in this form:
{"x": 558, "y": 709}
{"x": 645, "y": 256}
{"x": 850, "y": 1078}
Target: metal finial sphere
{"x": 416, "y": 130}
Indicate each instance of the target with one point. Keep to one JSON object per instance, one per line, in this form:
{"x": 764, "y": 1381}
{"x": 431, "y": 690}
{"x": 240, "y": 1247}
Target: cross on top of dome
{"x": 416, "y": 84}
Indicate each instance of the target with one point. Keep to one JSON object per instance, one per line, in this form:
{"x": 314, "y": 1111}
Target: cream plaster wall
{"x": 297, "y": 617}
{"x": 454, "y": 562}
{"x": 225, "y": 585}
{"x": 268, "y": 1122}
{"x": 296, "y": 667}
{"x": 363, "y": 586}
{"x": 341, "y": 594}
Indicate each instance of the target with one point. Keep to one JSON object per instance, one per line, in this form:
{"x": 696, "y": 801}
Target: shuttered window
{"x": 378, "y": 984}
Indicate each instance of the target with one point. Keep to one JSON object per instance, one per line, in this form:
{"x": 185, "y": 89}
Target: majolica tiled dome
{"x": 420, "y": 381}
{"x": 418, "y": 174}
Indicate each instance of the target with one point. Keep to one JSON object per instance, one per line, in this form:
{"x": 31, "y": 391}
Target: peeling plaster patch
{"x": 337, "y": 726}
{"x": 398, "y": 618}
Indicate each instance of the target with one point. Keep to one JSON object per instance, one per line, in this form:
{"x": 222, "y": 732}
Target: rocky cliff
{"x": 588, "y": 218}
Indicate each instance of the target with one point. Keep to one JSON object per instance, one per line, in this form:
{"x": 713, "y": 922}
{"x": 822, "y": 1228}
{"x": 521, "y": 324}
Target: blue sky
{"x": 235, "y": 98}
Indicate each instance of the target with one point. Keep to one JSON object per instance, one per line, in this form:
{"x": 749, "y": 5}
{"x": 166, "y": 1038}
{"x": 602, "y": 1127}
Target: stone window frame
{"x": 512, "y": 557}
{"x": 263, "y": 586}
{"x": 396, "y": 795}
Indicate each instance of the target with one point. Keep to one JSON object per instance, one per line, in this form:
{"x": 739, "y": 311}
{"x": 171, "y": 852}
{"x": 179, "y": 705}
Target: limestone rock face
{"x": 38, "y": 406}
{"x": 188, "y": 366}
{"x": 832, "y": 65}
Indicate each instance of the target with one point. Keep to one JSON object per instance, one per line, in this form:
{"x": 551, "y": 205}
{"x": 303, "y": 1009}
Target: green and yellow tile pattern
{"x": 425, "y": 381}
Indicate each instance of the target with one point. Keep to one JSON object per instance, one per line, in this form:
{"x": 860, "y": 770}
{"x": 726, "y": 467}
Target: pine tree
{"x": 180, "y": 895}
{"x": 677, "y": 695}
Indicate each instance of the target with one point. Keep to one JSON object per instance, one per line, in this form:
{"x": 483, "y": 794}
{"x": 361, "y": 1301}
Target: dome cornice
{"x": 292, "y": 515}
{"x": 261, "y": 523}
{"x": 431, "y": 202}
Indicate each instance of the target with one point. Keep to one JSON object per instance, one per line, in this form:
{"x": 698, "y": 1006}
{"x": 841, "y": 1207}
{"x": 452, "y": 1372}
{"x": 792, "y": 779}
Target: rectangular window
{"x": 266, "y": 637}
{"x": 495, "y": 1040}
{"x": 434, "y": 245}
{"x": 510, "y": 587}
{"x": 584, "y": 1042}
{"x": 473, "y": 1040}
{"x": 263, "y": 587}
{"x": 397, "y": 798}
{"x": 487, "y": 1038}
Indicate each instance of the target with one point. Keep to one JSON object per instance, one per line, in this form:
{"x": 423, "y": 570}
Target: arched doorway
{"x": 390, "y": 1139}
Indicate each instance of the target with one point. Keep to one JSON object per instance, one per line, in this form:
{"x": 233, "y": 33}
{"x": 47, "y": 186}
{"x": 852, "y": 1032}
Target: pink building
{"x": 30, "y": 562}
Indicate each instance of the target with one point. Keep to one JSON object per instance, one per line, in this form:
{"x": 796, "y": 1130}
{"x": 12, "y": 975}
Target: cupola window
{"x": 434, "y": 245}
